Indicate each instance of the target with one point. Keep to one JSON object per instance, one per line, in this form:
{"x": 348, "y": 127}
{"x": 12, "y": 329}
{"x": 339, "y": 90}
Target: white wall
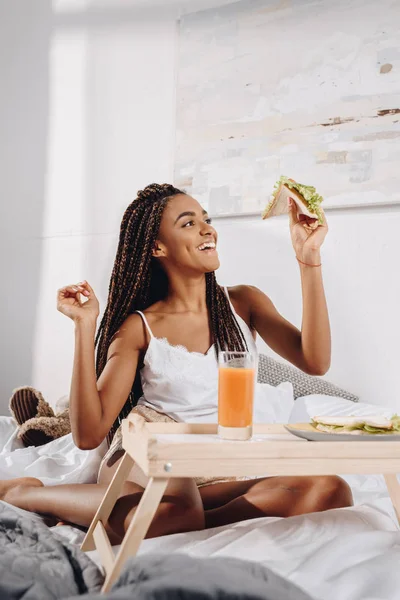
{"x": 24, "y": 46}
{"x": 361, "y": 274}
{"x": 88, "y": 120}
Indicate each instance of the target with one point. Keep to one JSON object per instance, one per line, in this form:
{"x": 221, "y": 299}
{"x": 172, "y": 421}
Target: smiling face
{"x": 186, "y": 237}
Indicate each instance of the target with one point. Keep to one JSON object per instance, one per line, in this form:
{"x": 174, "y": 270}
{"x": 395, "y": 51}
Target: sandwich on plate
{"x": 357, "y": 425}
{"x": 307, "y": 200}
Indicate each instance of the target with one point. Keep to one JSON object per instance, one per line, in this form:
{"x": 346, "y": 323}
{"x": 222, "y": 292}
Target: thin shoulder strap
{"x": 145, "y": 322}
{"x": 229, "y": 300}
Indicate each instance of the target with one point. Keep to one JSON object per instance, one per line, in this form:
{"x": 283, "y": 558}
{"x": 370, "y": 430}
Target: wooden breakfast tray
{"x": 195, "y": 450}
{"x": 166, "y": 450}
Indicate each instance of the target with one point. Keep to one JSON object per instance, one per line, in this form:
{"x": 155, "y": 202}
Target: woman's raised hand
{"x": 306, "y": 241}
{"x": 70, "y": 302}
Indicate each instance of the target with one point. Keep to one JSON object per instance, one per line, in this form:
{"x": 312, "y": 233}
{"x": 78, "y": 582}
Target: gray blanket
{"x": 35, "y": 564}
{"x": 178, "y": 576}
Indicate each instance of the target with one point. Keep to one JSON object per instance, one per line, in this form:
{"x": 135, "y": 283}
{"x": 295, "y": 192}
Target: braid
{"x": 224, "y": 327}
{"x": 137, "y": 281}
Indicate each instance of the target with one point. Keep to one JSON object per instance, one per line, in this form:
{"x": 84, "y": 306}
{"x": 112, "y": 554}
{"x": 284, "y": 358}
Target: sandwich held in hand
{"x": 357, "y": 425}
{"x": 305, "y": 196}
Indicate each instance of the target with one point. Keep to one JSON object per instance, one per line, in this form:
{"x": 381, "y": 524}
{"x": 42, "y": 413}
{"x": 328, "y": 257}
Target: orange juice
{"x": 235, "y": 401}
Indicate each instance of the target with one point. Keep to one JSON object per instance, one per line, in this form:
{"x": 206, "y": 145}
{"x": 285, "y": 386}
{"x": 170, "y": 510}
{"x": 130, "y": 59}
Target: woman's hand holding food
{"x": 306, "y": 240}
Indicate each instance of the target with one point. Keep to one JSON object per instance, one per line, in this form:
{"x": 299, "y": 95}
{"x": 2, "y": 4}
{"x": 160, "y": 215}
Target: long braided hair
{"x": 138, "y": 281}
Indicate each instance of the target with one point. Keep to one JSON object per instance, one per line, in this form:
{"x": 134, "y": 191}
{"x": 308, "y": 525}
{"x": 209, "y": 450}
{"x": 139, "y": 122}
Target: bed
{"x": 351, "y": 554}
{"x": 346, "y": 554}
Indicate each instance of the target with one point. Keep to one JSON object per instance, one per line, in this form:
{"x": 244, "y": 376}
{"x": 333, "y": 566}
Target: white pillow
{"x": 273, "y": 404}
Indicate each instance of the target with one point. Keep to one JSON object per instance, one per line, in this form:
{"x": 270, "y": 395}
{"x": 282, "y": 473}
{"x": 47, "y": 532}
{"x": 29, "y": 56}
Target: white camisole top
{"x": 183, "y": 384}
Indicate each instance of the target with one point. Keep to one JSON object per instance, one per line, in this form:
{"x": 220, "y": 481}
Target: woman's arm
{"x": 315, "y": 329}
{"x": 94, "y": 405}
{"x": 310, "y": 348}
{"x": 84, "y": 401}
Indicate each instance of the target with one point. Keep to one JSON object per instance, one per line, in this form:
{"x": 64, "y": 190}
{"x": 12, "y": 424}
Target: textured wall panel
{"x": 308, "y": 89}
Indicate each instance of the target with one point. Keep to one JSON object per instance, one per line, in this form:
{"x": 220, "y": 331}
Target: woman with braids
{"x": 165, "y": 321}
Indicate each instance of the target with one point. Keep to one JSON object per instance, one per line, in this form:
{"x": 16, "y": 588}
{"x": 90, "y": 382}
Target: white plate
{"x": 307, "y": 432}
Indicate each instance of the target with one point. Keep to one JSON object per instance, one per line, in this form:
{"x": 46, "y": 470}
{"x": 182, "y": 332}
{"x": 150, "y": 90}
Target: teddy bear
{"x": 38, "y": 423}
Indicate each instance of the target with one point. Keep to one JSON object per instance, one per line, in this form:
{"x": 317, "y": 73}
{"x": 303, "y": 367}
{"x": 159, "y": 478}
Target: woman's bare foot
{"x": 9, "y": 486}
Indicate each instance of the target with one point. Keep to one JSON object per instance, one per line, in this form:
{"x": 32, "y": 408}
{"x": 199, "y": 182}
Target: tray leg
{"x": 138, "y": 527}
{"x": 109, "y": 500}
{"x": 393, "y": 487}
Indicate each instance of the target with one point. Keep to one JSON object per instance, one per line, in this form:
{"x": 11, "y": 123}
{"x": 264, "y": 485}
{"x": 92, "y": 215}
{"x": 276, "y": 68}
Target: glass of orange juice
{"x": 236, "y": 380}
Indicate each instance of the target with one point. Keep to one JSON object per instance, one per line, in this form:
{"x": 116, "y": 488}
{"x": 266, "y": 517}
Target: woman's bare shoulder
{"x": 249, "y": 297}
{"x": 242, "y": 293}
{"x": 132, "y": 333}
{"x": 241, "y": 297}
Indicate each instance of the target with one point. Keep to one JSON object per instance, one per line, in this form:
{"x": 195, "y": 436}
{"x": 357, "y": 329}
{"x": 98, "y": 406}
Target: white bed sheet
{"x": 342, "y": 554}
{"x": 59, "y": 461}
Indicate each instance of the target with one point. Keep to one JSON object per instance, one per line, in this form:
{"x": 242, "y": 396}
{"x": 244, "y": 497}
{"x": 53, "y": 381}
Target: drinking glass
{"x": 236, "y": 381}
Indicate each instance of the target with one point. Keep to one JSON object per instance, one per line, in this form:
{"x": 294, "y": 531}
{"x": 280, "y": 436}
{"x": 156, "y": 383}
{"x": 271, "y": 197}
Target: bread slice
{"x": 379, "y": 422}
{"x": 352, "y": 421}
{"x": 326, "y": 429}
{"x": 340, "y": 421}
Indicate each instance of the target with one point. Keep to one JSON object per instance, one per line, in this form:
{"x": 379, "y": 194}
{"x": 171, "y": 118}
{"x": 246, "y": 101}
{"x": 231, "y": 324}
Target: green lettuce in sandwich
{"x": 305, "y": 196}
{"x": 357, "y": 425}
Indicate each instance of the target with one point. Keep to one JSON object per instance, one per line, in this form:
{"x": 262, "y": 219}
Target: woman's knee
{"x": 330, "y": 491}
{"x": 175, "y": 514}
{"x": 182, "y": 506}
{"x": 178, "y": 515}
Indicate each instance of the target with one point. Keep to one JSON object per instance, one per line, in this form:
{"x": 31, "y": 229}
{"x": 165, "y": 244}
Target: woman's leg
{"x": 180, "y": 510}
{"x": 234, "y": 501}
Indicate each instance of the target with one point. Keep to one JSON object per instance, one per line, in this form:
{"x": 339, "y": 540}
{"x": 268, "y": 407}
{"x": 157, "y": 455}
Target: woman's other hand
{"x": 306, "y": 241}
{"x": 70, "y": 302}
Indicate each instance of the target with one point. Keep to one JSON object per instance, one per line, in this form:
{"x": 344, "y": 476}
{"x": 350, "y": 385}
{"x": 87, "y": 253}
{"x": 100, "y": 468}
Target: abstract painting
{"x": 307, "y": 89}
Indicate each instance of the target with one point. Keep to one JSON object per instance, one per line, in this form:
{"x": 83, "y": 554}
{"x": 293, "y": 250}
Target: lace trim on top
{"x": 173, "y": 363}
{"x": 181, "y": 347}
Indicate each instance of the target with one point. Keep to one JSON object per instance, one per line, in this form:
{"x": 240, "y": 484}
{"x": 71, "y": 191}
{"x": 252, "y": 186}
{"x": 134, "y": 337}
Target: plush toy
{"x": 38, "y": 422}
